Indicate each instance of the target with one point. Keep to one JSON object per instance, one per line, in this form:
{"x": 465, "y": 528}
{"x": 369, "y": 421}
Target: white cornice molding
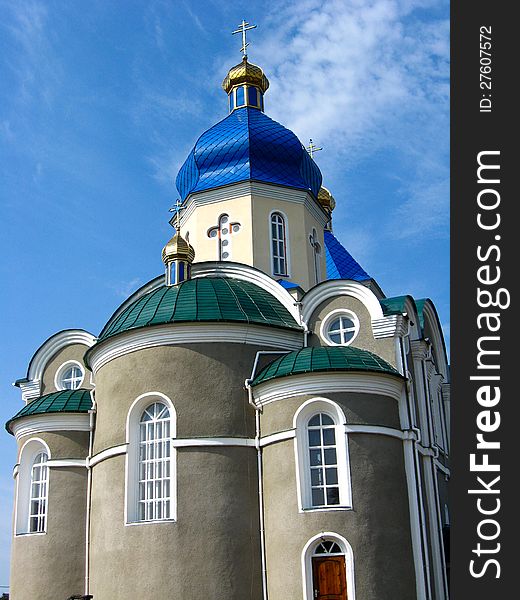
{"x": 382, "y": 326}
{"x": 172, "y": 334}
{"x": 328, "y": 382}
{"x": 253, "y": 188}
{"x": 245, "y": 273}
{"x": 50, "y": 422}
{"x": 290, "y": 434}
{"x": 206, "y": 442}
{"x": 56, "y": 342}
{"x": 392, "y": 326}
{"x": 67, "y": 462}
{"x": 108, "y": 453}
{"x": 30, "y": 389}
{"x": 421, "y": 350}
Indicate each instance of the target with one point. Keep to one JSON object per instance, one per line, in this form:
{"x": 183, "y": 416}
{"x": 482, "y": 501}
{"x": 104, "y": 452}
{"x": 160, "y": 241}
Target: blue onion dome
{"x": 247, "y": 145}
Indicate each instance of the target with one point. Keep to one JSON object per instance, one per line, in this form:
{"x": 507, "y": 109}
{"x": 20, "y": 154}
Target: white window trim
{"x": 132, "y": 463}
{"x": 338, "y": 312}
{"x": 306, "y": 561}
{"x": 59, "y": 373}
{"x": 28, "y": 452}
{"x": 303, "y": 484}
{"x": 287, "y": 244}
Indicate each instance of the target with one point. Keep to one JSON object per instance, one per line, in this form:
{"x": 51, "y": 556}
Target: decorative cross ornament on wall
{"x": 223, "y": 233}
{"x": 316, "y": 252}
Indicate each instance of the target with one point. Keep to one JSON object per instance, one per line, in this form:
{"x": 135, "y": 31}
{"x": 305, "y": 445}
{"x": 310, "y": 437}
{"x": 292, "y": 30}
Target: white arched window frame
{"x": 32, "y": 489}
{"x": 318, "y": 467}
{"x": 151, "y": 478}
{"x": 69, "y": 376}
{"x": 279, "y": 238}
{"x": 310, "y": 550}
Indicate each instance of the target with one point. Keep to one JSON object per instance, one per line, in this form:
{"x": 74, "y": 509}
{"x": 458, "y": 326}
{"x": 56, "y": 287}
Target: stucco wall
{"x": 51, "y": 565}
{"x": 212, "y": 550}
{"x": 385, "y": 348}
{"x": 377, "y": 527}
{"x": 73, "y": 352}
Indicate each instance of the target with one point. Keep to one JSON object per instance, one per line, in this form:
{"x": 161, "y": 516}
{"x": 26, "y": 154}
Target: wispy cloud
{"x": 34, "y": 64}
{"x": 363, "y": 76}
{"x": 123, "y": 289}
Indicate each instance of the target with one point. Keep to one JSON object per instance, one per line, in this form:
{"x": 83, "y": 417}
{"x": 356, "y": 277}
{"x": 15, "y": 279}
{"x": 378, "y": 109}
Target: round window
{"x": 339, "y": 328}
{"x": 69, "y": 376}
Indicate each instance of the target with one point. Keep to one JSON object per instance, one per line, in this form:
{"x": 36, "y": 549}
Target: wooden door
{"x": 329, "y": 578}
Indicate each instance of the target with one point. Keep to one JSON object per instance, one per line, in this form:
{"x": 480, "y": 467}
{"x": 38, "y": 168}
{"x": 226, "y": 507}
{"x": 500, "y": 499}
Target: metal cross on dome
{"x": 311, "y": 148}
{"x": 175, "y": 221}
{"x": 242, "y": 28}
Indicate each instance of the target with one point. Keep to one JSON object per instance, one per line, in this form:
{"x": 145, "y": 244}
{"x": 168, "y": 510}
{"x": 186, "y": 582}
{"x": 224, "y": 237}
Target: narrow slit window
{"x": 279, "y": 244}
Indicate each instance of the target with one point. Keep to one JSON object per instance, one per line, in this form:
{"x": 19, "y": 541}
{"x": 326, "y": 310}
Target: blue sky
{"x": 101, "y": 102}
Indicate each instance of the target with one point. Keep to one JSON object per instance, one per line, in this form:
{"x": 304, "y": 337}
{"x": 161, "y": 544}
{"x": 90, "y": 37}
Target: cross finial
{"x": 242, "y": 28}
{"x": 311, "y": 148}
{"x": 175, "y": 221}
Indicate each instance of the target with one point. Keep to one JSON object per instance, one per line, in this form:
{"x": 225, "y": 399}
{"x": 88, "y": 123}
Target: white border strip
{"x": 326, "y": 383}
{"x": 67, "y": 462}
{"x": 173, "y": 334}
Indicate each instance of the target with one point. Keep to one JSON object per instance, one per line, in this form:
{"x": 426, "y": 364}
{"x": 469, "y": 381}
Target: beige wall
{"x": 252, "y": 244}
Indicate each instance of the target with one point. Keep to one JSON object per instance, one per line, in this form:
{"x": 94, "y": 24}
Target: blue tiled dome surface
{"x": 248, "y": 145}
{"x": 340, "y": 263}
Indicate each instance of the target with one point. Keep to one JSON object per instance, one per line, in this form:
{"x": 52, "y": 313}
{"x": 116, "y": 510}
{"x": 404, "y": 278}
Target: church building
{"x": 258, "y": 422}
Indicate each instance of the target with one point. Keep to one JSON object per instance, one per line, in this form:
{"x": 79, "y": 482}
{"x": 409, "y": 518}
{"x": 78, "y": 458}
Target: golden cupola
{"x": 327, "y": 202}
{"x": 245, "y": 85}
{"x": 177, "y": 255}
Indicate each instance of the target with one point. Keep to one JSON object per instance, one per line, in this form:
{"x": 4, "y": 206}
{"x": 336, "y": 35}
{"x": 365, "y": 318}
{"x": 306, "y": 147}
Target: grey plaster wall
{"x": 72, "y": 352}
{"x": 211, "y": 551}
{"x": 51, "y": 565}
{"x": 365, "y": 339}
{"x": 359, "y": 409}
{"x": 378, "y": 526}
{"x": 205, "y": 382}
{"x": 62, "y": 444}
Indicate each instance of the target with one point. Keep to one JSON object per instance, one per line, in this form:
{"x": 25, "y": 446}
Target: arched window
{"x": 322, "y": 456}
{"x": 38, "y": 494}
{"x": 32, "y": 488}
{"x": 278, "y": 244}
{"x": 154, "y": 463}
{"x": 150, "y": 460}
{"x": 328, "y": 568}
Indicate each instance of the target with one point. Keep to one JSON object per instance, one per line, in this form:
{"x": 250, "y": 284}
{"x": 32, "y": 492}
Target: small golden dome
{"x": 326, "y": 199}
{"x": 245, "y": 72}
{"x": 178, "y": 248}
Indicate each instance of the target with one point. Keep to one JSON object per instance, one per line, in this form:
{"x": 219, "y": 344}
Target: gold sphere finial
{"x": 326, "y": 199}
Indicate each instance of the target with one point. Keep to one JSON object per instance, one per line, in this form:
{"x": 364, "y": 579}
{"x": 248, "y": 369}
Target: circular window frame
{"x": 333, "y": 315}
{"x": 58, "y": 384}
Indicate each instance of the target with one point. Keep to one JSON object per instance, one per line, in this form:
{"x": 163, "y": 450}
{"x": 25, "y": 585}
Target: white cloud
{"x": 362, "y": 76}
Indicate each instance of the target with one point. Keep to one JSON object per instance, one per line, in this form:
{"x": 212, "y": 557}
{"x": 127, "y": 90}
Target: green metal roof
{"x": 203, "y": 299}
{"x": 322, "y": 359}
{"x": 394, "y": 306}
{"x": 65, "y": 401}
